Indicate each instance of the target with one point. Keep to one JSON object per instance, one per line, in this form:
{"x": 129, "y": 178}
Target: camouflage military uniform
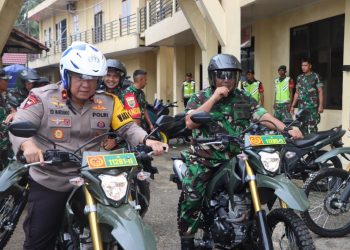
{"x": 16, "y": 96}
{"x": 5, "y": 150}
{"x": 134, "y": 100}
{"x": 233, "y": 115}
{"x": 307, "y": 88}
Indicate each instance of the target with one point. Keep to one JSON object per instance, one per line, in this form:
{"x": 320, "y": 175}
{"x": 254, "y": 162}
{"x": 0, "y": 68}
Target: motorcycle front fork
{"x": 91, "y": 211}
{"x": 264, "y": 232}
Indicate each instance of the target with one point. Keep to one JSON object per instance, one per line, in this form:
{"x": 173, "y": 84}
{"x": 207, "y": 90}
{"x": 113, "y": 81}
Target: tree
{"x": 25, "y": 25}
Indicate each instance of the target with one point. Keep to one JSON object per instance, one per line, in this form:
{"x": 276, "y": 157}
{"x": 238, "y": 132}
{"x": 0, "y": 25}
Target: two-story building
{"x": 169, "y": 38}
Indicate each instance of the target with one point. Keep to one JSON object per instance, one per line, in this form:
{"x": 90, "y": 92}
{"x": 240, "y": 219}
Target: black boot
{"x": 187, "y": 243}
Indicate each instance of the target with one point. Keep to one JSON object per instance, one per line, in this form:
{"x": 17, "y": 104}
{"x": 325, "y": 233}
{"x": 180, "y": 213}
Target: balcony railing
{"x": 159, "y": 10}
{"x": 143, "y": 19}
{"x": 136, "y": 23}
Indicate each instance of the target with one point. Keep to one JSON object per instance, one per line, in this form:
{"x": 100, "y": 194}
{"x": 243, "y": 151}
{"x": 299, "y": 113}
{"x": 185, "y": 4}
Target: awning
{"x": 19, "y": 42}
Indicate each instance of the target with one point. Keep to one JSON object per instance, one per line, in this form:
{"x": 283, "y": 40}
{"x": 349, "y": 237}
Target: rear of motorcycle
{"x": 299, "y": 156}
{"x": 168, "y": 127}
{"x": 113, "y": 217}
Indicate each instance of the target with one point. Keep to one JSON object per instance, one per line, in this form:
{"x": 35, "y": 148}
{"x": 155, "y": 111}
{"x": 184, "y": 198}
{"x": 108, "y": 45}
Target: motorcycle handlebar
{"x": 205, "y": 140}
{"x": 36, "y": 163}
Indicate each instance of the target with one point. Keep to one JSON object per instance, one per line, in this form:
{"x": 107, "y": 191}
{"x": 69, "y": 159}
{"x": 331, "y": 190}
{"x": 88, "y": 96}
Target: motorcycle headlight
{"x": 271, "y": 161}
{"x": 114, "y": 186}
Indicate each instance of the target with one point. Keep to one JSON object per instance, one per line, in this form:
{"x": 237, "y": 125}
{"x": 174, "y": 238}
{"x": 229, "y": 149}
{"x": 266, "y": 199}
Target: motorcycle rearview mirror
{"x": 165, "y": 122}
{"x": 23, "y": 129}
{"x": 201, "y": 117}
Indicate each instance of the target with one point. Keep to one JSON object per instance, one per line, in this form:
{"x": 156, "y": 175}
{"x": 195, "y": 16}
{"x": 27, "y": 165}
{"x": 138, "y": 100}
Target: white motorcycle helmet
{"x": 84, "y": 59}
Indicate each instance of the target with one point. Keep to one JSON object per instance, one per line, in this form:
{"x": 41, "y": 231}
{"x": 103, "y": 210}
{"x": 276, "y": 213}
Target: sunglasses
{"x": 226, "y": 74}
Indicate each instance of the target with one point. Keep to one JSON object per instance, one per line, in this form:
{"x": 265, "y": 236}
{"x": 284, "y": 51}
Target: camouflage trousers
{"x": 310, "y": 121}
{"x": 282, "y": 111}
{"x": 193, "y": 187}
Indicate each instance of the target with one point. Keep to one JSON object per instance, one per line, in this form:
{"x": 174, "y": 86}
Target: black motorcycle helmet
{"x": 119, "y": 67}
{"x": 29, "y": 75}
{"x": 224, "y": 66}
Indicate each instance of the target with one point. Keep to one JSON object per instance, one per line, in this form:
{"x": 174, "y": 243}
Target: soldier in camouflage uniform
{"x": 113, "y": 81}
{"x": 4, "y": 112}
{"x": 134, "y": 100}
{"x": 28, "y": 79}
{"x": 283, "y": 94}
{"x": 309, "y": 95}
{"x": 233, "y": 109}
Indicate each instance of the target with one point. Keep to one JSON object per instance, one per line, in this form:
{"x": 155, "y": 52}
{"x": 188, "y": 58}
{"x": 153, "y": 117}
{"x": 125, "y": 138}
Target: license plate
{"x": 262, "y": 140}
{"x": 111, "y": 160}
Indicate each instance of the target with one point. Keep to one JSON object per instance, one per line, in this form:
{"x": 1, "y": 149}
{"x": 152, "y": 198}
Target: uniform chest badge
{"x": 131, "y": 102}
{"x": 98, "y": 105}
{"x": 58, "y": 134}
{"x": 101, "y": 124}
{"x": 62, "y": 121}
{"x": 57, "y": 104}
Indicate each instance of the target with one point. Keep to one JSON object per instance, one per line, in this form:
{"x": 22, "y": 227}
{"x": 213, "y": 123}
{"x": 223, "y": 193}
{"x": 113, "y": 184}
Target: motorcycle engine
{"x": 231, "y": 219}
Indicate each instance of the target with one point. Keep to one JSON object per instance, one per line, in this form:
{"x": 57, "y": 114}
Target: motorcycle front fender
{"x": 128, "y": 227}
{"x": 334, "y": 152}
{"x": 284, "y": 189}
{"x": 11, "y": 175}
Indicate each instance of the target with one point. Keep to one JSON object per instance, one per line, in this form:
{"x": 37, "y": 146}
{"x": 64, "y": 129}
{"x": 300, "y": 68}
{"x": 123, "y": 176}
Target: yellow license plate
{"x": 111, "y": 160}
{"x": 263, "y": 140}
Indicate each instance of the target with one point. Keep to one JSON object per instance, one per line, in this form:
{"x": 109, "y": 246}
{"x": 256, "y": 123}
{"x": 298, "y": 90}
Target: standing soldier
{"x": 134, "y": 100}
{"x": 254, "y": 87}
{"x": 309, "y": 95}
{"x": 4, "y": 111}
{"x": 283, "y": 94}
{"x": 188, "y": 88}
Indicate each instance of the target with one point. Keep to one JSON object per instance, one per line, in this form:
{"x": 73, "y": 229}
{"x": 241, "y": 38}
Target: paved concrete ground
{"x": 162, "y": 213}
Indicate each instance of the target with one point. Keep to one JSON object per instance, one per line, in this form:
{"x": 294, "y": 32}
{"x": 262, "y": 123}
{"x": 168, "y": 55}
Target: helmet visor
{"x": 85, "y": 77}
{"x": 228, "y": 78}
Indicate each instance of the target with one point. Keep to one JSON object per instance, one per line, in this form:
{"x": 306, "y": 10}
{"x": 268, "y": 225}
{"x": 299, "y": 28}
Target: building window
{"x": 98, "y": 27}
{"x": 323, "y": 42}
{"x": 98, "y": 24}
{"x": 76, "y": 24}
{"x": 76, "y": 36}
{"x": 61, "y": 35}
{"x": 47, "y": 37}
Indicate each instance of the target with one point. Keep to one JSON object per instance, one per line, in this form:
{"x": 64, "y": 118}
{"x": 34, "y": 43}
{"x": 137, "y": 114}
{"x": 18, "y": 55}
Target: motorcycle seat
{"x": 311, "y": 139}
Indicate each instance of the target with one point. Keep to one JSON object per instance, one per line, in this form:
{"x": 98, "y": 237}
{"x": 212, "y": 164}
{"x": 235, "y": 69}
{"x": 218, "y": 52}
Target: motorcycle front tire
{"x": 312, "y": 185}
{"x": 294, "y": 224}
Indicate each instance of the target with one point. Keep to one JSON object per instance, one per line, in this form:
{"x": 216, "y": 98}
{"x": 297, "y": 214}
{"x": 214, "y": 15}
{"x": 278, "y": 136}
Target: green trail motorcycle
{"x": 103, "y": 209}
{"x": 233, "y": 212}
